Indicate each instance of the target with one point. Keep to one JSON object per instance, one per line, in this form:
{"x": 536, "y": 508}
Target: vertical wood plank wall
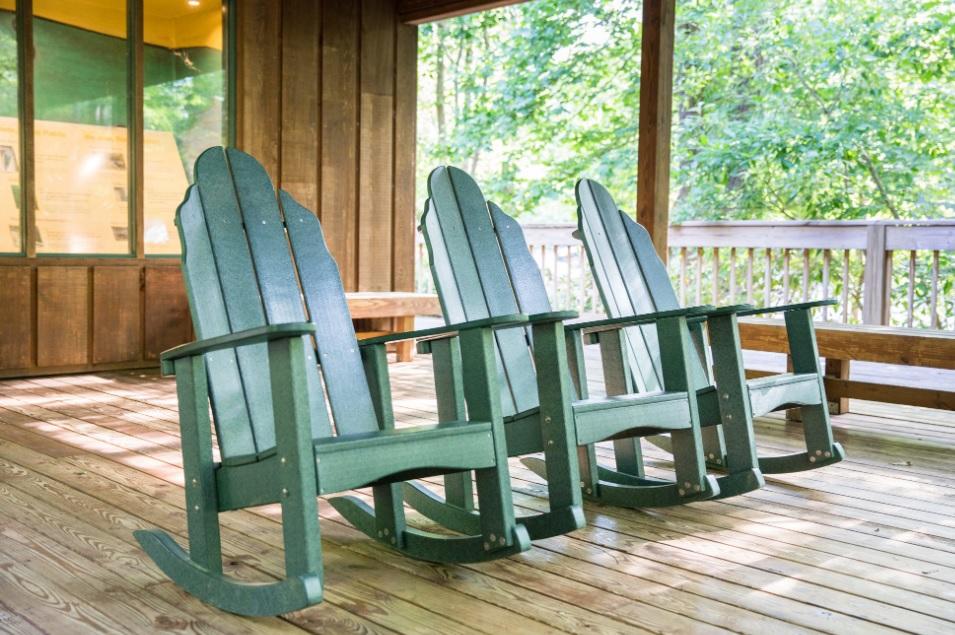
{"x": 60, "y": 315}
{"x": 326, "y": 101}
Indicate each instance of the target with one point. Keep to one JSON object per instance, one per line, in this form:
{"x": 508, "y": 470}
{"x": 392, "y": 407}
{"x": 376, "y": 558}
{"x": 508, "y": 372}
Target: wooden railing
{"x": 881, "y": 272}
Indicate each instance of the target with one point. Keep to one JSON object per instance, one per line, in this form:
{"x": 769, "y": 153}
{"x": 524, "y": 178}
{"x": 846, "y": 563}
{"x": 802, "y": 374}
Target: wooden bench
{"x": 383, "y": 312}
{"x": 840, "y": 344}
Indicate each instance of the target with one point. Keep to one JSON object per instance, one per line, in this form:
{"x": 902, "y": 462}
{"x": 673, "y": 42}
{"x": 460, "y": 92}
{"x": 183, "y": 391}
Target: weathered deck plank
{"x": 865, "y": 545}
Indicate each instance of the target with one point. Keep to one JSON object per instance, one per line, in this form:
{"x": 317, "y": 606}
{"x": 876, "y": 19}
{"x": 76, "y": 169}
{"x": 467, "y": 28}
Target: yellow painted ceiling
{"x": 167, "y": 23}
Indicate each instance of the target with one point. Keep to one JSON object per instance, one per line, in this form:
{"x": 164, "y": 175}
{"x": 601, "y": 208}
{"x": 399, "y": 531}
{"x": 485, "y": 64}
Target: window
{"x": 83, "y": 166}
{"x": 183, "y": 106}
{"x": 80, "y": 140}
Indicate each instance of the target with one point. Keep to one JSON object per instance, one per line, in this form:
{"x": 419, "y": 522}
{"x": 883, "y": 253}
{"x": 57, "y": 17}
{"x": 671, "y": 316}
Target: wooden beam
{"x": 656, "y": 98}
{"x": 421, "y": 11}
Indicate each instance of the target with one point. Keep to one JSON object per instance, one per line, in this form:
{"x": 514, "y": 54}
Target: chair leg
{"x": 449, "y": 389}
{"x": 688, "y": 459}
{"x": 558, "y": 434}
{"x": 459, "y": 490}
{"x": 821, "y": 447}
{"x": 389, "y": 514}
{"x": 628, "y": 457}
{"x": 202, "y": 508}
{"x": 618, "y": 381}
{"x": 199, "y": 572}
{"x": 298, "y": 473}
{"x": 736, "y": 417}
{"x": 714, "y": 446}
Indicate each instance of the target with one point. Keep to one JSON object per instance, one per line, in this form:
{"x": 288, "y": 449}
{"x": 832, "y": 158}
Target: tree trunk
{"x": 439, "y": 82}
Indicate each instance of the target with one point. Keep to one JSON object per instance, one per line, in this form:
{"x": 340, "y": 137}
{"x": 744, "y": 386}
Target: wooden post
{"x": 839, "y": 369}
{"x": 24, "y": 26}
{"x": 656, "y": 96}
{"x": 877, "y": 277}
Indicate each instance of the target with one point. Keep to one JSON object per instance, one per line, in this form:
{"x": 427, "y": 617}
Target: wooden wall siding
{"x": 63, "y": 315}
{"x": 326, "y": 101}
{"x": 167, "y": 322}
{"x": 117, "y": 315}
{"x": 16, "y": 317}
{"x": 84, "y": 315}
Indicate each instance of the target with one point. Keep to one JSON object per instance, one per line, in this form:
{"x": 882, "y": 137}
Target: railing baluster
{"x": 805, "y": 275}
{"x": 910, "y": 308}
{"x": 786, "y": 276}
{"x": 845, "y": 286}
{"x": 749, "y": 275}
{"x": 569, "y": 281}
{"x": 682, "y": 276}
{"x": 572, "y": 285}
{"x": 826, "y": 257}
{"x": 732, "y": 299}
{"x": 768, "y": 278}
{"x": 581, "y": 279}
{"x": 715, "y": 281}
{"x": 556, "y": 285}
{"x": 933, "y": 301}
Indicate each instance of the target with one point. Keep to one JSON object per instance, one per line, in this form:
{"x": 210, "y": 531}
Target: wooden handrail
{"x": 770, "y": 262}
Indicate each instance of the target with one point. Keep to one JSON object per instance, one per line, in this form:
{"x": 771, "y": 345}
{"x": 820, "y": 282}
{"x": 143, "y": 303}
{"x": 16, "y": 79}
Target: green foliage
{"x": 8, "y": 64}
{"x": 833, "y": 109}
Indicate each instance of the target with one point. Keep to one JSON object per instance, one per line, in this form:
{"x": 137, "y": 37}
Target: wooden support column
{"x": 877, "y": 277}
{"x": 656, "y": 98}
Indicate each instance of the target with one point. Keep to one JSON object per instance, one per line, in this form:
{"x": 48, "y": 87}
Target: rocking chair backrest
{"x": 630, "y": 276}
{"x": 482, "y": 268}
{"x": 246, "y": 265}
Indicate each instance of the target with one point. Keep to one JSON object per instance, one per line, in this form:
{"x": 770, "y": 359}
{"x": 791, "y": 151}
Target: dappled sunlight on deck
{"x": 866, "y": 545}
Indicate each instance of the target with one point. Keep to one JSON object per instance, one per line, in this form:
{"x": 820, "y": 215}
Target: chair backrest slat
{"x": 524, "y": 273}
{"x": 630, "y": 276}
{"x": 619, "y": 278}
{"x": 274, "y": 267}
{"x": 209, "y": 319}
{"x": 243, "y": 268}
{"x": 243, "y": 302}
{"x": 472, "y": 277}
{"x": 338, "y": 352}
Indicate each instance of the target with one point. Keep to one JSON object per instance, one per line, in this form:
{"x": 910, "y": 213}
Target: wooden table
{"x": 392, "y": 312}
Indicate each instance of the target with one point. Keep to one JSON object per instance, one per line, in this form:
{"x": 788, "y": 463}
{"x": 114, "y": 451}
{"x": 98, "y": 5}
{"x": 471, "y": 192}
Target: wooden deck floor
{"x": 866, "y": 546}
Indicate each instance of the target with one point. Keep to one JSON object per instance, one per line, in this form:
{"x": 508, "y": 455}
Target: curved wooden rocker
{"x": 632, "y": 279}
{"x": 261, "y": 286}
{"x": 482, "y": 268}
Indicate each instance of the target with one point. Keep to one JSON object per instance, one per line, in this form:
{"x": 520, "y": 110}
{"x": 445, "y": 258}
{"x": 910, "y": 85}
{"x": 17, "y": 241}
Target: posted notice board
{"x": 82, "y": 196}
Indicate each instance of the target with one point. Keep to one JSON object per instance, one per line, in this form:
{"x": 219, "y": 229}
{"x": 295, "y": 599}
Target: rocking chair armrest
{"x": 552, "y": 316}
{"x": 255, "y": 335}
{"x": 449, "y": 330}
{"x": 799, "y": 306}
{"x": 612, "y": 324}
{"x": 742, "y": 310}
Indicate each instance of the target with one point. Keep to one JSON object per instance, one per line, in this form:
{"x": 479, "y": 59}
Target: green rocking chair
{"x": 261, "y": 285}
{"x": 482, "y": 268}
{"x": 632, "y": 279}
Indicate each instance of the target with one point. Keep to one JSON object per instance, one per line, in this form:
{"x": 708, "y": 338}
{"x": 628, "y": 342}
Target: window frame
{"x": 135, "y": 134}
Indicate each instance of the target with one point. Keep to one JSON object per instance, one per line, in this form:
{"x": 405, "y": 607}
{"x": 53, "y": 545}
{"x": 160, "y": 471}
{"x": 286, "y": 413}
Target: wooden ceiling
{"x": 420, "y": 11}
